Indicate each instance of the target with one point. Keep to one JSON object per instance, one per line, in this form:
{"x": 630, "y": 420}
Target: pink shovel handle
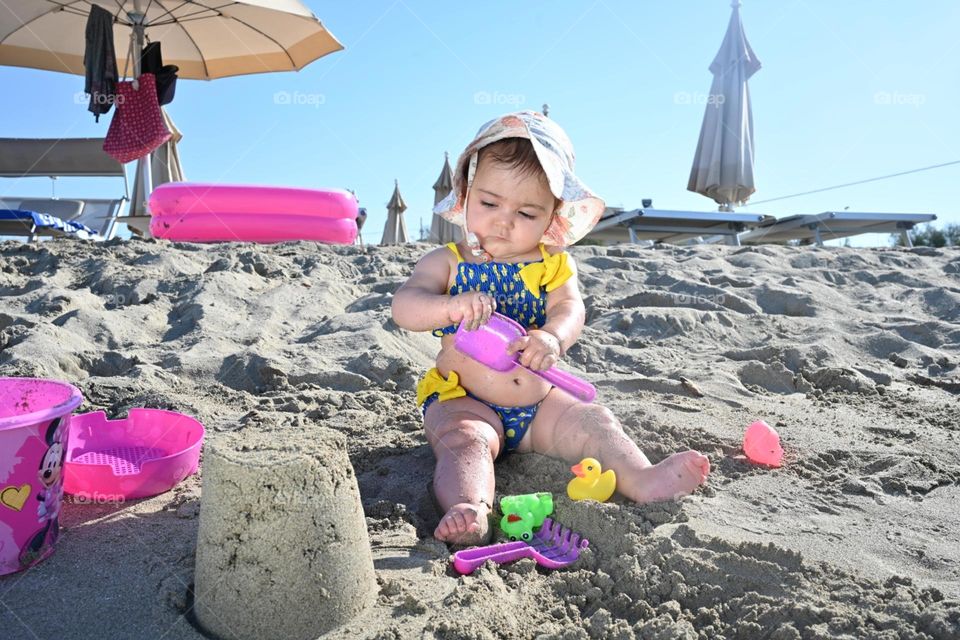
{"x": 579, "y": 389}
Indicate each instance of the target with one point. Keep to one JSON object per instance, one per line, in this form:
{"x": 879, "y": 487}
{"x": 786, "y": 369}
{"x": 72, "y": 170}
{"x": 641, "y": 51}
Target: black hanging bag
{"x": 151, "y": 61}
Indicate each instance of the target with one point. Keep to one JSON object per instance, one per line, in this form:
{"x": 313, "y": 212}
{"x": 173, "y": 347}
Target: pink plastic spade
{"x": 761, "y": 443}
{"x": 488, "y": 345}
{"x": 553, "y": 546}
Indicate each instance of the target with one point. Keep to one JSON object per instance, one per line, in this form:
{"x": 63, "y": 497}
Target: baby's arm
{"x": 543, "y": 347}
{"x": 422, "y": 302}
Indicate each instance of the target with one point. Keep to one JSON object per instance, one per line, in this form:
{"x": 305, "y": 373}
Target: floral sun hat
{"x": 580, "y": 210}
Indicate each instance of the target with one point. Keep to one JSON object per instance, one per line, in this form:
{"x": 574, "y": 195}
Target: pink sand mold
{"x": 34, "y": 426}
{"x": 144, "y": 454}
{"x": 554, "y": 546}
{"x": 197, "y": 212}
{"x": 488, "y": 345}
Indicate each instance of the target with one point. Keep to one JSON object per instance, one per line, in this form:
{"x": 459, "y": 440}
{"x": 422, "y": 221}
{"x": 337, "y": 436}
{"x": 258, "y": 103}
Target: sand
{"x": 853, "y": 355}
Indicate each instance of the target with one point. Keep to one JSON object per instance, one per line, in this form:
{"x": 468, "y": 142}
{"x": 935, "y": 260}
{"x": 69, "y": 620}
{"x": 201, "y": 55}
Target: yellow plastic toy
{"x": 591, "y": 483}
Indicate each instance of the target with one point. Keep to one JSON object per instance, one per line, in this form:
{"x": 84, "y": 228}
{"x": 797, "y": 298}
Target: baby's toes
{"x": 448, "y": 527}
{"x": 702, "y": 463}
{"x": 458, "y": 522}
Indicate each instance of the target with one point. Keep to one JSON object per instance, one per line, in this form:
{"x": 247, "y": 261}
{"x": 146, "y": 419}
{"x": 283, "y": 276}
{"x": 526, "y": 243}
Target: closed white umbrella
{"x": 442, "y": 231}
{"x": 205, "y": 39}
{"x": 396, "y": 230}
{"x": 723, "y": 164}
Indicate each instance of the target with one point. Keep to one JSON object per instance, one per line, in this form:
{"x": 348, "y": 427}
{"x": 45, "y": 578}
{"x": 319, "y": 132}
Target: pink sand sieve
{"x": 144, "y": 454}
{"x": 123, "y": 461}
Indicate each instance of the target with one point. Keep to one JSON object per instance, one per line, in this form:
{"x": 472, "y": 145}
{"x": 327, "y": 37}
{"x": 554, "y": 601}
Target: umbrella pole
{"x": 137, "y": 18}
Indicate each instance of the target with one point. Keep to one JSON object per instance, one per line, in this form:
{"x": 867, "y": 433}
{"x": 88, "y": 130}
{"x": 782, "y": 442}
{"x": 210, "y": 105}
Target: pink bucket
{"x": 34, "y": 423}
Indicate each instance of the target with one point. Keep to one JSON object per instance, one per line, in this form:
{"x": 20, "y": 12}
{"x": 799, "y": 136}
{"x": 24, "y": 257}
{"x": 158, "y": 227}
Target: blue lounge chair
{"x": 18, "y": 222}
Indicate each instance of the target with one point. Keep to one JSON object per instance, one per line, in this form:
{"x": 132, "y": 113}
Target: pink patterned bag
{"x": 137, "y": 127}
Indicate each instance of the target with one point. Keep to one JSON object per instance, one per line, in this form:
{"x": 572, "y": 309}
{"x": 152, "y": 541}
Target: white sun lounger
{"x": 664, "y": 225}
{"x": 831, "y": 225}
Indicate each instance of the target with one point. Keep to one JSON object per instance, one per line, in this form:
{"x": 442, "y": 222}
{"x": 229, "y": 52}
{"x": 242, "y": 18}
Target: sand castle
{"x": 282, "y": 547}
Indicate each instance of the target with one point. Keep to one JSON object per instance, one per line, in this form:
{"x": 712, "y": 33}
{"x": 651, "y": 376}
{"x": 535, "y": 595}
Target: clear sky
{"x": 848, "y": 91}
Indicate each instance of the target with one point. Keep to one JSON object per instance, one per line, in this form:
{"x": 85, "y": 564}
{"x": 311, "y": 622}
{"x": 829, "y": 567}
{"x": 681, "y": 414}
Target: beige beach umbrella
{"x": 396, "y": 230}
{"x": 206, "y": 40}
{"x": 723, "y": 163}
{"x": 441, "y": 231}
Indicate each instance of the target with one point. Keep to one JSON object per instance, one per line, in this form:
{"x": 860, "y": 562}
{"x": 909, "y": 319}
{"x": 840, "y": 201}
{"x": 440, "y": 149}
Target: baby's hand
{"x": 473, "y": 308}
{"x": 539, "y": 350}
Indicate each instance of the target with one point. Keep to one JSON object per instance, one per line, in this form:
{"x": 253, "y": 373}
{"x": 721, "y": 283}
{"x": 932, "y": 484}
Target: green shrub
{"x": 930, "y": 236}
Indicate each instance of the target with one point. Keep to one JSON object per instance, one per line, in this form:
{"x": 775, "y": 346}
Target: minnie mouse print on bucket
{"x": 137, "y": 127}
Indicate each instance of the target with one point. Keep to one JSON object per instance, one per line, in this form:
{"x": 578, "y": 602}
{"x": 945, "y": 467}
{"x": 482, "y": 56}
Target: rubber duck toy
{"x": 592, "y": 482}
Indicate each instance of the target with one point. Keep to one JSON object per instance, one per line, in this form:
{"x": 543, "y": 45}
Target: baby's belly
{"x": 514, "y": 388}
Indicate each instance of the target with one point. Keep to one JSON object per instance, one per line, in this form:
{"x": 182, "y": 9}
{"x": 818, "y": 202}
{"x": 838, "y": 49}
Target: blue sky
{"x": 848, "y": 91}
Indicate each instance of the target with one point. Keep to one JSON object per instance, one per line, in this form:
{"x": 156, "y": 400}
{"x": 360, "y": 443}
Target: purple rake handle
{"x": 488, "y": 345}
{"x": 554, "y": 546}
{"x": 579, "y": 389}
{"x": 469, "y": 560}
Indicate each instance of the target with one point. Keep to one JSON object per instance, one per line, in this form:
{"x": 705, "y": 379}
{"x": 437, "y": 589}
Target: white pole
{"x": 137, "y": 18}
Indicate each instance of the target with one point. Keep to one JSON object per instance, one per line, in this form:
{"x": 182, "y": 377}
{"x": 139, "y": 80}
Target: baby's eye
{"x": 526, "y": 215}
{"x": 487, "y": 204}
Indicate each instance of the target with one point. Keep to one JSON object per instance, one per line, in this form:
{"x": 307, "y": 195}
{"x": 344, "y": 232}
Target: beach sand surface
{"x": 853, "y": 355}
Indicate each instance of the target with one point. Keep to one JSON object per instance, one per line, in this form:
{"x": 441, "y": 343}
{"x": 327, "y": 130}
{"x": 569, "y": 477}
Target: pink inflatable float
{"x": 197, "y": 212}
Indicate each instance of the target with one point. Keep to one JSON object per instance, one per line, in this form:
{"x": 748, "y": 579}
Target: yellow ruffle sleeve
{"x": 433, "y": 382}
{"x": 551, "y": 273}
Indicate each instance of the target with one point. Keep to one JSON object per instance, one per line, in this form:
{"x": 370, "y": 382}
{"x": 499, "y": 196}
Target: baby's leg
{"x": 568, "y": 429}
{"x": 466, "y": 436}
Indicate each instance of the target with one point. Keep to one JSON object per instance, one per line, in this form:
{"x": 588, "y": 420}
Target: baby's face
{"x": 509, "y": 211}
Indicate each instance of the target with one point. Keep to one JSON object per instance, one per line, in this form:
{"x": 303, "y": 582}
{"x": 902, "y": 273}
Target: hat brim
{"x": 580, "y": 210}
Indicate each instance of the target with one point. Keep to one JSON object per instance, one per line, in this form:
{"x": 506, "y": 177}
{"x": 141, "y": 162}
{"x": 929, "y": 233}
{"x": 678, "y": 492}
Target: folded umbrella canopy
{"x": 205, "y": 39}
{"x": 395, "y": 231}
{"x": 723, "y": 163}
{"x": 442, "y": 231}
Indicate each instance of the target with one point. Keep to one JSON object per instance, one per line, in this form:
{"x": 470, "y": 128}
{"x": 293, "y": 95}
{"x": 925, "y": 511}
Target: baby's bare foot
{"x": 465, "y": 524}
{"x": 673, "y": 477}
